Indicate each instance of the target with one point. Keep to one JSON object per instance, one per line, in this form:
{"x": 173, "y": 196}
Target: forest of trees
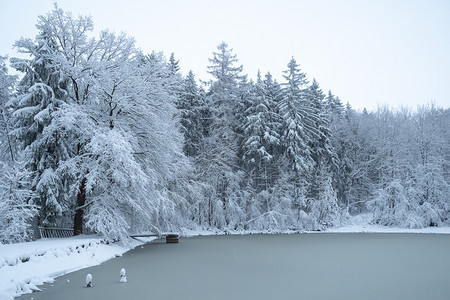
{"x": 98, "y": 136}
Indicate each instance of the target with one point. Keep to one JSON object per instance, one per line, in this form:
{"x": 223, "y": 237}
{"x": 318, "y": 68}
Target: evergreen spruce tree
{"x": 322, "y": 198}
{"x": 334, "y": 107}
{"x": 7, "y": 144}
{"x": 297, "y": 118}
{"x": 40, "y": 93}
{"x": 173, "y": 64}
{"x": 261, "y": 134}
{"x": 297, "y": 132}
{"x": 17, "y": 206}
{"x": 220, "y": 147}
{"x": 322, "y": 150}
{"x": 190, "y": 103}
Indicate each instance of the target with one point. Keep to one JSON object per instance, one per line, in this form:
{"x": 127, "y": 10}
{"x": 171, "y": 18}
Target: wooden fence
{"x": 47, "y": 232}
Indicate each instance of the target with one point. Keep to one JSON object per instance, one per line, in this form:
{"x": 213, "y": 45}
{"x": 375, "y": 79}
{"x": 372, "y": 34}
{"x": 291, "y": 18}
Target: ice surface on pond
{"x": 296, "y": 266}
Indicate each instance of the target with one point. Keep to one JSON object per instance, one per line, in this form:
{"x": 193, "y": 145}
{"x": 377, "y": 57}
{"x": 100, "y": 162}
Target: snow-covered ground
{"x": 361, "y": 224}
{"x": 24, "y": 266}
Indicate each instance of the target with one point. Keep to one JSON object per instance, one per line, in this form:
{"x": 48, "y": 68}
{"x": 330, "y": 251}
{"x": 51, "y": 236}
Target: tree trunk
{"x": 81, "y": 200}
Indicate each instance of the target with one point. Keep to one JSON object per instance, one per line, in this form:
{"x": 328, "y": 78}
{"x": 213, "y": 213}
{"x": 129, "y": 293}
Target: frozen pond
{"x": 299, "y": 266}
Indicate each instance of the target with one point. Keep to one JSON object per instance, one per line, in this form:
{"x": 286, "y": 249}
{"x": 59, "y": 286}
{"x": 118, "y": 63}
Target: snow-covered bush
{"x": 393, "y": 207}
{"x": 325, "y": 211}
{"x": 278, "y": 214}
{"x": 418, "y": 202}
{"x": 16, "y": 204}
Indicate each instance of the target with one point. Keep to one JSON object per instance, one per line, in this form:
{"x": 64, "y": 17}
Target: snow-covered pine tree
{"x": 297, "y": 131}
{"x": 349, "y": 137}
{"x": 272, "y": 90}
{"x": 334, "y": 107}
{"x": 224, "y": 90}
{"x": 190, "y": 103}
{"x": 297, "y": 119}
{"x": 173, "y": 64}
{"x": 218, "y": 159}
{"x": 8, "y": 146}
{"x": 322, "y": 150}
{"x": 260, "y": 134}
{"x": 17, "y": 207}
{"x": 40, "y": 93}
{"x": 322, "y": 199}
{"x": 261, "y": 145}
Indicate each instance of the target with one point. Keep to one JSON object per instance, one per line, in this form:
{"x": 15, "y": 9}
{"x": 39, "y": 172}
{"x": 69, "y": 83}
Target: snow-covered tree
{"x": 410, "y": 180}
{"x": 261, "y": 136}
{"x": 334, "y": 107}
{"x": 191, "y": 105}
{"x": 173, "y": 64}
{"x": 354, "y": 147}
{"x": 322, "y": 150}
{"x": 17, "y": 207}
{"x": 108, "y": 138}
{"x": 297, "y": 119}
{"x": 219, "y": 158}
{"x": 324, "y": 209}
{"x": 431, "y": 181}
{"x": 297, "y": 131}
{"x": 7, "y": 144}
{"x": 32, "y": 109}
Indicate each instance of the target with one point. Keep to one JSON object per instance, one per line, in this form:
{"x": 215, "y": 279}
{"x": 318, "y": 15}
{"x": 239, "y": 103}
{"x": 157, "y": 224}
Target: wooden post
{"x": 171, "y": 239}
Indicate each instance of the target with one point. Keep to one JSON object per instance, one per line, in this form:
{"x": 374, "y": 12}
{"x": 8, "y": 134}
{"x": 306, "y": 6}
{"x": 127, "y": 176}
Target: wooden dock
{"x": 171, "y": 237}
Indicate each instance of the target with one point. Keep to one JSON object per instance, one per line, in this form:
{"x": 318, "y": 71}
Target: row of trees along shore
{"x": 98, "y": 136}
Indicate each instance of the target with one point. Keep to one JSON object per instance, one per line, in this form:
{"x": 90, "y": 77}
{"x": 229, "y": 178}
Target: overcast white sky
{"x": 366, "y": 52}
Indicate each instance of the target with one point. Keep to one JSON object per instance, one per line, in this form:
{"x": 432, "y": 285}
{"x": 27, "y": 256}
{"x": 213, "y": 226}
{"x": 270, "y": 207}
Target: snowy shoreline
{"x": 47, "y": 259}
{"x": 24, "y": 266}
